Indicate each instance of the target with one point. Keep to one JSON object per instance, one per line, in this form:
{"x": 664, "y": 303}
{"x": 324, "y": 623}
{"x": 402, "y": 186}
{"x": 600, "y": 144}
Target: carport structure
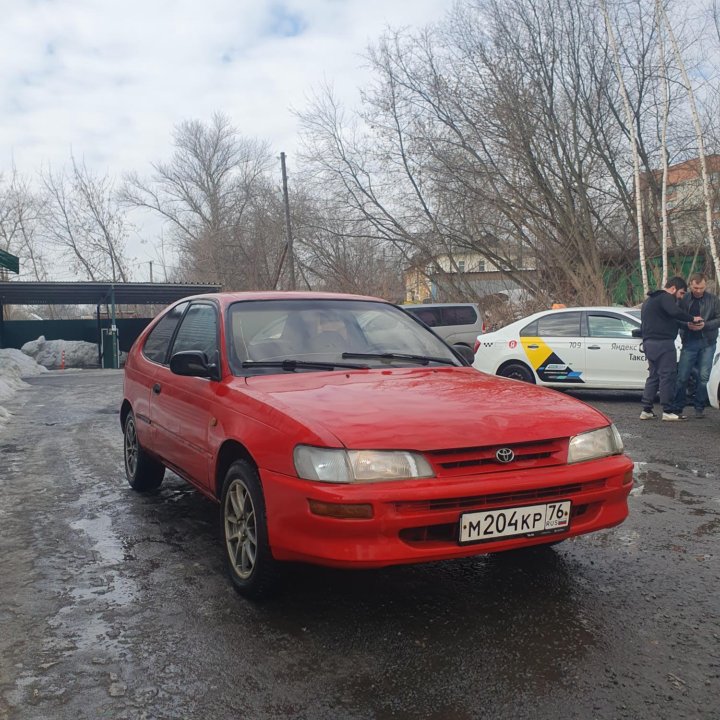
{"x": 95, "y": 293}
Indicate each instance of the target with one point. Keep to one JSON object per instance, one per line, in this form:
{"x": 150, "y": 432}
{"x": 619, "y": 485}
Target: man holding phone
{"x": 699, "y": 341}
{"x": 659, "y": 319}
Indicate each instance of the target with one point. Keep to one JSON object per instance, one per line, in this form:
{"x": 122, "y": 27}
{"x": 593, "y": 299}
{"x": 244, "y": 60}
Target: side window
{"x": 610, "y": 326}
{"x": 566, "y": 324}
{"x": 198, "y": 330}
{"x": 158, "y": 341}
{"x": 459, "y": 315}
{"x": 430, "y": 316}
{"x": 530, "y": 330}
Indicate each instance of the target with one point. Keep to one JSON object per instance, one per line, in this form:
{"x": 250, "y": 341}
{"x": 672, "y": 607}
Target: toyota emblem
{"x": 505, "y": 455}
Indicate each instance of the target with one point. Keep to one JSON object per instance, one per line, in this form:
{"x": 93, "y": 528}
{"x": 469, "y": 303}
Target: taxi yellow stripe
{"x": 536, "y": 355}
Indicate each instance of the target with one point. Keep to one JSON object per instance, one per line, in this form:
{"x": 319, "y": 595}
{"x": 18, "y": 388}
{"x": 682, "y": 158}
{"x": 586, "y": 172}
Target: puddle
{"x": 666, "y": 481}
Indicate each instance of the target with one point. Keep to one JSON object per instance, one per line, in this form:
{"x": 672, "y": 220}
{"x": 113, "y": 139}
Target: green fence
{"x": 626, "y": 288}
{"x": 15, "y": 333}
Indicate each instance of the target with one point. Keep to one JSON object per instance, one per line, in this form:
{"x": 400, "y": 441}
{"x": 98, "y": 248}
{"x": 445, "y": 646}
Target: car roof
{"x": 440, "y": 305}
{"x": 584, "y": 308}
{"x": 227, "y": 298}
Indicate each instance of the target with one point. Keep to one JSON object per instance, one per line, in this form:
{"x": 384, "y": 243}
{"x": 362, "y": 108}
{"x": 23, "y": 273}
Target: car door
{"x": 181, "y": 406}
{"x": 557, "y": 351}
{"x": 613, "y": 356}
{"x": 154, "y": 354}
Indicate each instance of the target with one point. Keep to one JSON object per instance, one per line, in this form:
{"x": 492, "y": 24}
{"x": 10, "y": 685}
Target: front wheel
{"x": 250, "y": 563}
{"x": 142, "y": 472}
{"x": 517, "y": 371}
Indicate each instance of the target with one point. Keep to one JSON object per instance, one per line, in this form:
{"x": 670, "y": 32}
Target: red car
{"x": 339, "y": 430}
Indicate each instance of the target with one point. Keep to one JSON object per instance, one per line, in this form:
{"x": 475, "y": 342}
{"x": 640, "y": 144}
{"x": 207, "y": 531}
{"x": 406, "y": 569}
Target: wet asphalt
{"x": 115, "y": 605}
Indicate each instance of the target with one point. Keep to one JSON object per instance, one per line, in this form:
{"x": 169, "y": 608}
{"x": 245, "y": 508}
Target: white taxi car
{"x": 713, "y": 386}
{"x": 589, "y": 347}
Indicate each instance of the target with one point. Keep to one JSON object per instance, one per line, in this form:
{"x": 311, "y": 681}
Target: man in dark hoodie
{"x": 659, "y": 317}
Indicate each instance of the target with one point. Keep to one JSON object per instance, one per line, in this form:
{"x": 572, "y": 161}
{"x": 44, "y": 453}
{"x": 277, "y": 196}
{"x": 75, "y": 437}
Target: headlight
{"x": 358, "y": 466}
{"x": 595, "y": 444}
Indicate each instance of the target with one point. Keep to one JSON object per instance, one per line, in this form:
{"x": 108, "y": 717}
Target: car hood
{"x": 423, "y": 409}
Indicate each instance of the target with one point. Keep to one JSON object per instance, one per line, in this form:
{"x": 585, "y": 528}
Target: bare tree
{"x": 21, "y": 219}
{"x": 217, "y": 198}
{"x": 482, "y": 136}
{"x": 84, "y": 222}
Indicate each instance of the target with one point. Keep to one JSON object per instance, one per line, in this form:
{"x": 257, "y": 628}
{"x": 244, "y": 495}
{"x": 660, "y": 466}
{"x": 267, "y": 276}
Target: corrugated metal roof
{"x": 96, "y": 293}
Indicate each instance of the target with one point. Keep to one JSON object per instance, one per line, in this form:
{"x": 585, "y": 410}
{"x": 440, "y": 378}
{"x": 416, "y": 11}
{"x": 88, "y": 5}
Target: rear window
{"x": 445, "y": 316}
{"x": 430, "y": 316}
{"x": 158, "y": 341}
{"x": 459, "y": 315}
{"x": 560, "y": 325}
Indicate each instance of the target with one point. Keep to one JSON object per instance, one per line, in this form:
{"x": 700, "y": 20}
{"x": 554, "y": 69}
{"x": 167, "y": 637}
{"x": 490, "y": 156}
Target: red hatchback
{"x": 339, "y": 430}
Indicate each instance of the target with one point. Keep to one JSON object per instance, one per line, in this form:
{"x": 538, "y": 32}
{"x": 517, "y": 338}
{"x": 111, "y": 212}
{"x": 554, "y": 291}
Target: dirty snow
{"x": 14, "y": 365}
{"x": 78, "y": 353}
{"x": 36, "y": 357}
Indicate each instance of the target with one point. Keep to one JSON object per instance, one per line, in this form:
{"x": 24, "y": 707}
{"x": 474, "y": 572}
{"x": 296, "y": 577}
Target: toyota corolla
{"x": 339, "y": 430}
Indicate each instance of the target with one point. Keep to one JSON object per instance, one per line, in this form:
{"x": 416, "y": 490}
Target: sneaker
{"x": 699, "y": 414}
{"x": 648, "y": 415}
{"x": 673, "y": 416}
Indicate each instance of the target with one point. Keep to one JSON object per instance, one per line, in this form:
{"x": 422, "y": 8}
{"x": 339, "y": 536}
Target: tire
{"x": 517, "y": 371}
{"x": 143, "y": 472}
{"x": 251, "y": 566}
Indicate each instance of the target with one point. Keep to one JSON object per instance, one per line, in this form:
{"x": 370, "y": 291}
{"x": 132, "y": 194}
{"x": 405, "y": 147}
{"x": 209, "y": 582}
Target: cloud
{"x": 110, "y": 80}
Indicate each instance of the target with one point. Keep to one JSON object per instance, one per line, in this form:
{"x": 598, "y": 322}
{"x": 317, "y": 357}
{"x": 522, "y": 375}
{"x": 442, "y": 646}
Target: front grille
{"x": 506, "y": 498}
{"x": 483, "y": 459}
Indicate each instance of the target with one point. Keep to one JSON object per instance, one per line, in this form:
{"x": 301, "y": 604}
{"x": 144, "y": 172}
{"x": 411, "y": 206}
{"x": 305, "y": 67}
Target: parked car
{"x": 337, "y": 430}
{"x": 590, "y": 347}
{"x": 455, "y": 323}
{"x": 713, "y": 386}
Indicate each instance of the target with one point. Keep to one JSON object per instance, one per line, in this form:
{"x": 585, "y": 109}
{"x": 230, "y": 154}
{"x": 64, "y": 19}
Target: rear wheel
{"x": 517, "y": 371}
{"x": 250, "y": 563}
{"x": 142, "y": 472}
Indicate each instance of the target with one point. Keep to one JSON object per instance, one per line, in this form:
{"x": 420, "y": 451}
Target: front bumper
{"x": 418, "y": 521}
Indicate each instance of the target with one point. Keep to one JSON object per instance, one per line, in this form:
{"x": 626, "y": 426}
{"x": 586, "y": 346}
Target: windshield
{"x": 262, "y": 334}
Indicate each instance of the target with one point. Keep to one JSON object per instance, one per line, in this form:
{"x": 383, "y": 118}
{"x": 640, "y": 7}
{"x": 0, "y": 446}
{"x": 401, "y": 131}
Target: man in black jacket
{"x": 659, "y": 317}
{"x": 699, "y": 341}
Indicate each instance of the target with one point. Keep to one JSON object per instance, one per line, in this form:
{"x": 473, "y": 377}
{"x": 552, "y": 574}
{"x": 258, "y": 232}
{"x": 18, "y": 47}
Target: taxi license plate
{"x": 528, "y": 520}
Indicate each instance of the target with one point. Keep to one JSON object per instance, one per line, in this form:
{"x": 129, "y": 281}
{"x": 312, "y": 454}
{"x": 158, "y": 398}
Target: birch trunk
{"x": 663, "y": 145}
{"x": 701, "y": 145}
{"x": 633, "y": 142}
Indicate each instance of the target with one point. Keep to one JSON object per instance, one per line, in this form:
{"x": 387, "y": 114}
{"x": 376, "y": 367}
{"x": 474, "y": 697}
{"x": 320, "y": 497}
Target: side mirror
{"x": 637, "y": 333}
{"x": 193, "y": 363}
{"x": 465, "y": 353}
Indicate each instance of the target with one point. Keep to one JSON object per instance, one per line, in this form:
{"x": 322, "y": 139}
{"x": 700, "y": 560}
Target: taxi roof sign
{"x": 10, "y": 262}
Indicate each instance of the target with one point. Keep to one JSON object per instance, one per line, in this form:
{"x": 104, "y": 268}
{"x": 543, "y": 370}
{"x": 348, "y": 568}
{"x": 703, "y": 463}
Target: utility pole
{"x": 151, "y": 275}
{"x": 288, "y": 231}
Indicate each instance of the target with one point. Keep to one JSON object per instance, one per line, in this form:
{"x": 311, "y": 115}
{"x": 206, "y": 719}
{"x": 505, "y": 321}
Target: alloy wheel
{"x": 240, "y": 529}
{"x": 131, "y": 447}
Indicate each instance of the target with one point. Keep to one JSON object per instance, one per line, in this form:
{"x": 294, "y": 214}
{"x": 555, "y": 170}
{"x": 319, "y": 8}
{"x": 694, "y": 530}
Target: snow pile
{"x": 14, "y": 365}
{"x": 78, "y": 353}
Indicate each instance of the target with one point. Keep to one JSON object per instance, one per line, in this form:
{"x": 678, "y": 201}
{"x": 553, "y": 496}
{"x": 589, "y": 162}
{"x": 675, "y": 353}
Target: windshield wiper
{"x": 422, "y": 359}
{"x": 292, "y": 365}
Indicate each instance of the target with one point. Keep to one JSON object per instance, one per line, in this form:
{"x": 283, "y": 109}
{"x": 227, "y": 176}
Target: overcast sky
{"x": 110, "y": 78}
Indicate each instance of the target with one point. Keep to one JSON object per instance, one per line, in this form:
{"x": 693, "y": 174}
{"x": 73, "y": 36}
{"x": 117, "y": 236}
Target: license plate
{"x": 528, "y": 521}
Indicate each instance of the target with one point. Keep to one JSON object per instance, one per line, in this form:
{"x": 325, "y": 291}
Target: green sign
{"x": 11, "y": 262}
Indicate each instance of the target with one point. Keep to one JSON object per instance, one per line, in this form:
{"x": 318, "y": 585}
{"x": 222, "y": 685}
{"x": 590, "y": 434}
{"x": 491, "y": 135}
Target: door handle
{"x": 157, "y": 388}
{"x": 533, "y": 347}
{"x": 594, "y": 347}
